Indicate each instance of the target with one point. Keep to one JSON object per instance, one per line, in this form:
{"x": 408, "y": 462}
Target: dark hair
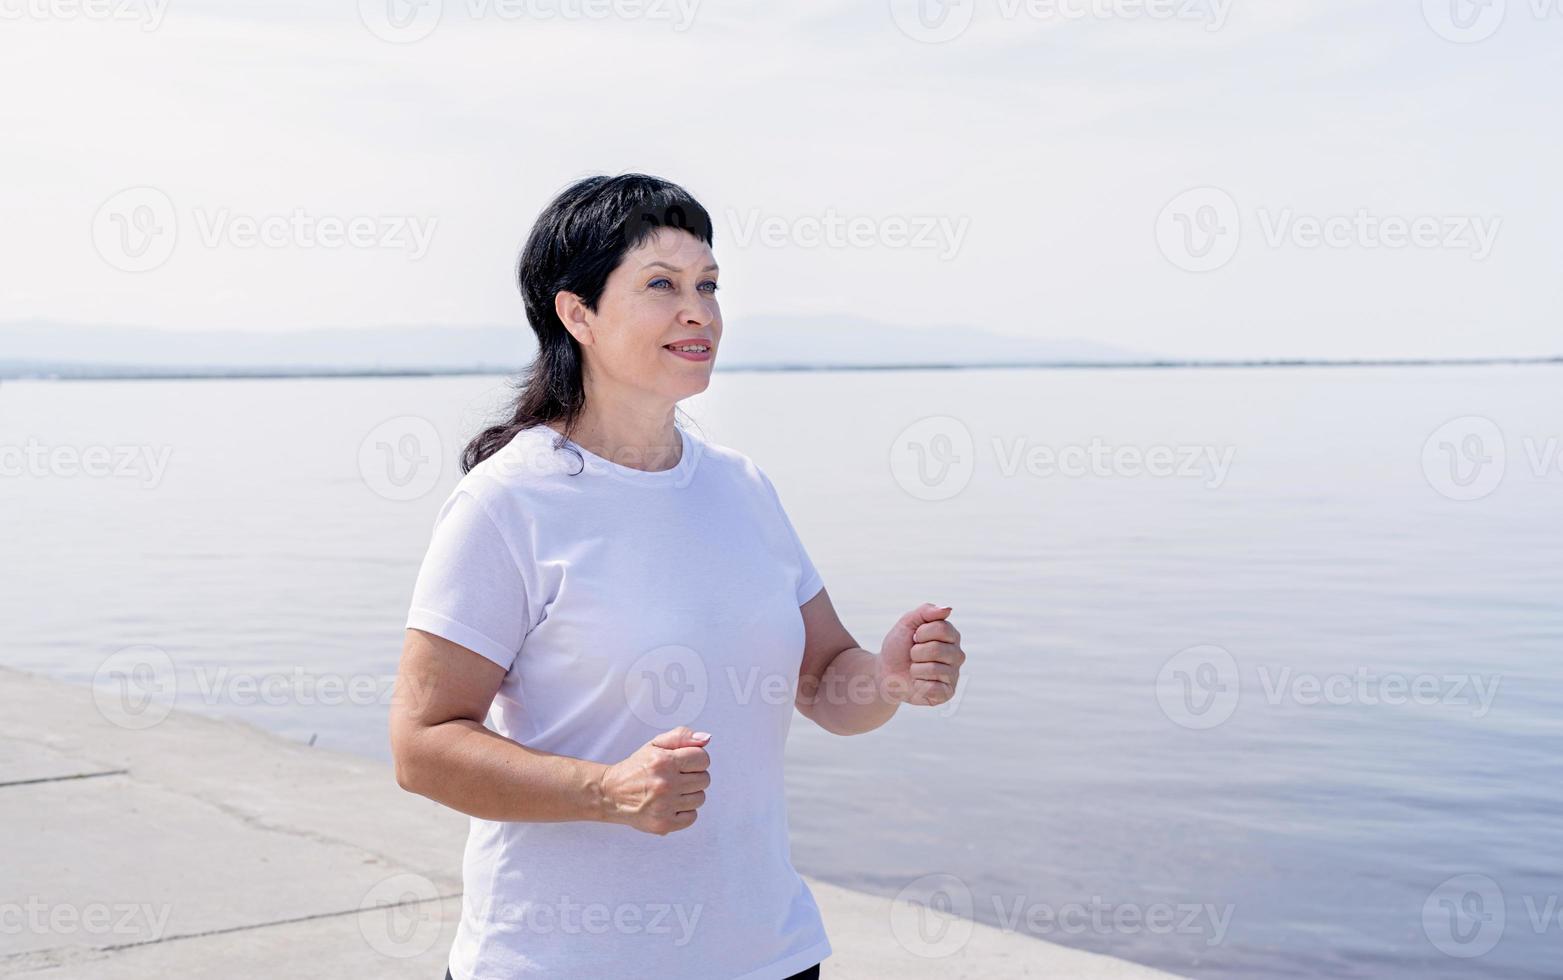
{"x": 576, "y": 242}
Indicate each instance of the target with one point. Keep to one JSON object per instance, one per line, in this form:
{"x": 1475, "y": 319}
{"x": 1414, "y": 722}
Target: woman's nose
{"x": 700, "y": 311}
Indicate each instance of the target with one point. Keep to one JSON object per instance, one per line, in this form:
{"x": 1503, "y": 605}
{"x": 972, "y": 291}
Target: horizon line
{"x": 111, "y": 373}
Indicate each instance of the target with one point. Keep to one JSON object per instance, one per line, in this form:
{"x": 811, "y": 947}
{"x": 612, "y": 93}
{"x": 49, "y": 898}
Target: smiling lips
{"x": 690, "y": 349}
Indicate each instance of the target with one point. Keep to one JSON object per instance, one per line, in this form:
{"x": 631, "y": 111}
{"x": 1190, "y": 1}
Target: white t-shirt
{"x": 624, "y": 603}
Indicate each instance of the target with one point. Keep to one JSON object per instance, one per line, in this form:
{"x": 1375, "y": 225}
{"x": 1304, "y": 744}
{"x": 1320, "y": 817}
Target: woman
{"x": 629, "y": 608}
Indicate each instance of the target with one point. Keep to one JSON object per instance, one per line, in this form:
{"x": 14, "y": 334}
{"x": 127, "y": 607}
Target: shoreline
{"x": 64, "y": 372}
{"x": 182, "y": 847}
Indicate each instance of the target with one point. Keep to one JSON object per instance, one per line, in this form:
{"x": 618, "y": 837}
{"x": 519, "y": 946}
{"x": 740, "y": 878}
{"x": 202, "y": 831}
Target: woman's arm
{"x": 847, "y": 691}
{"x": 443, "y": 750}
{"x": 838, "y": 684}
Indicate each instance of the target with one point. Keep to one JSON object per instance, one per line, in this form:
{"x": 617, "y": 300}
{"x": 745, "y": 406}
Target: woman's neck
{"x": 642, "y": 442}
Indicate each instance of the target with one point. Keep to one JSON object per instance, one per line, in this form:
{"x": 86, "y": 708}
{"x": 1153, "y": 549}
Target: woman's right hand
{"x": 658, "y": 789}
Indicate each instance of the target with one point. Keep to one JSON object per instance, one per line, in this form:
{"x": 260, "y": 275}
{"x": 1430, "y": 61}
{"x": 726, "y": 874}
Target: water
{"x": 1310, "y": 833}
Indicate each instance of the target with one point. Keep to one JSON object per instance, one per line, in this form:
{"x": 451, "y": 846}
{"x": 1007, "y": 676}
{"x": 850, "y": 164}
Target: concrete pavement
{"x": 200, "y": 847}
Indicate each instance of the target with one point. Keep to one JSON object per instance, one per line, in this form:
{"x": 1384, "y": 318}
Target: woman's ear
{"x": 572, "y": 312}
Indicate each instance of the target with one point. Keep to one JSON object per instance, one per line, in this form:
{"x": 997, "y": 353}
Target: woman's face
{"x": 661, "y": 295}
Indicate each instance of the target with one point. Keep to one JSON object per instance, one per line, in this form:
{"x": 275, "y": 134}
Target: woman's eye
{"x": 709, "y": 285}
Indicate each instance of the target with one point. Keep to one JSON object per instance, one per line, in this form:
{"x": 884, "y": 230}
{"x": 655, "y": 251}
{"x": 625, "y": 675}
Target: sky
{"x": 1201, "y": 178}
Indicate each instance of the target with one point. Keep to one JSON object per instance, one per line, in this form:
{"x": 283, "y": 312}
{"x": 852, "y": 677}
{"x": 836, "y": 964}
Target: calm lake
{"x": 1266, "y": 665}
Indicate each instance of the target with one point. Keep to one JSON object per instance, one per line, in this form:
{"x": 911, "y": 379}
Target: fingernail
{"x": 701, "y": 736}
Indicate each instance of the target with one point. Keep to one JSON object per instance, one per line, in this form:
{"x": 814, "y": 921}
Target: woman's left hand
{"x": 920, "y": 662}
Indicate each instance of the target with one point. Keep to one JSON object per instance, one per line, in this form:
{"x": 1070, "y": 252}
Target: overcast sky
{"x": 1262, "y": 178}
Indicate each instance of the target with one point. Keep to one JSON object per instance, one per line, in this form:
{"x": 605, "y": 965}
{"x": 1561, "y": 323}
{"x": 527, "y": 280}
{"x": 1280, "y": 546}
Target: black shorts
{"x": 812, "y": 973}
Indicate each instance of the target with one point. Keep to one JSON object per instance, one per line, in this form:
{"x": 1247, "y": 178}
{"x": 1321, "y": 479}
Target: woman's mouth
{"x": 690, "y": 350}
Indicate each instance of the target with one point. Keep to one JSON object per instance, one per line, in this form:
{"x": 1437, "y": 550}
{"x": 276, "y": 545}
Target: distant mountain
{"x": 76, "y": 350}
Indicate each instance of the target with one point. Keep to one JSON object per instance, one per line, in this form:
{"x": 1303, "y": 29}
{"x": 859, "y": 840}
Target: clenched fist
{"x": 920, "y": 662}
{"x": 658, "y": 789}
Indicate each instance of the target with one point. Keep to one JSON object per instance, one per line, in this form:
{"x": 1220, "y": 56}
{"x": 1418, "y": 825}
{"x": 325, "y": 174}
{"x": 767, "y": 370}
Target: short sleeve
{"x": 809, "y": 581}
{"x": 469, "y": 589}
